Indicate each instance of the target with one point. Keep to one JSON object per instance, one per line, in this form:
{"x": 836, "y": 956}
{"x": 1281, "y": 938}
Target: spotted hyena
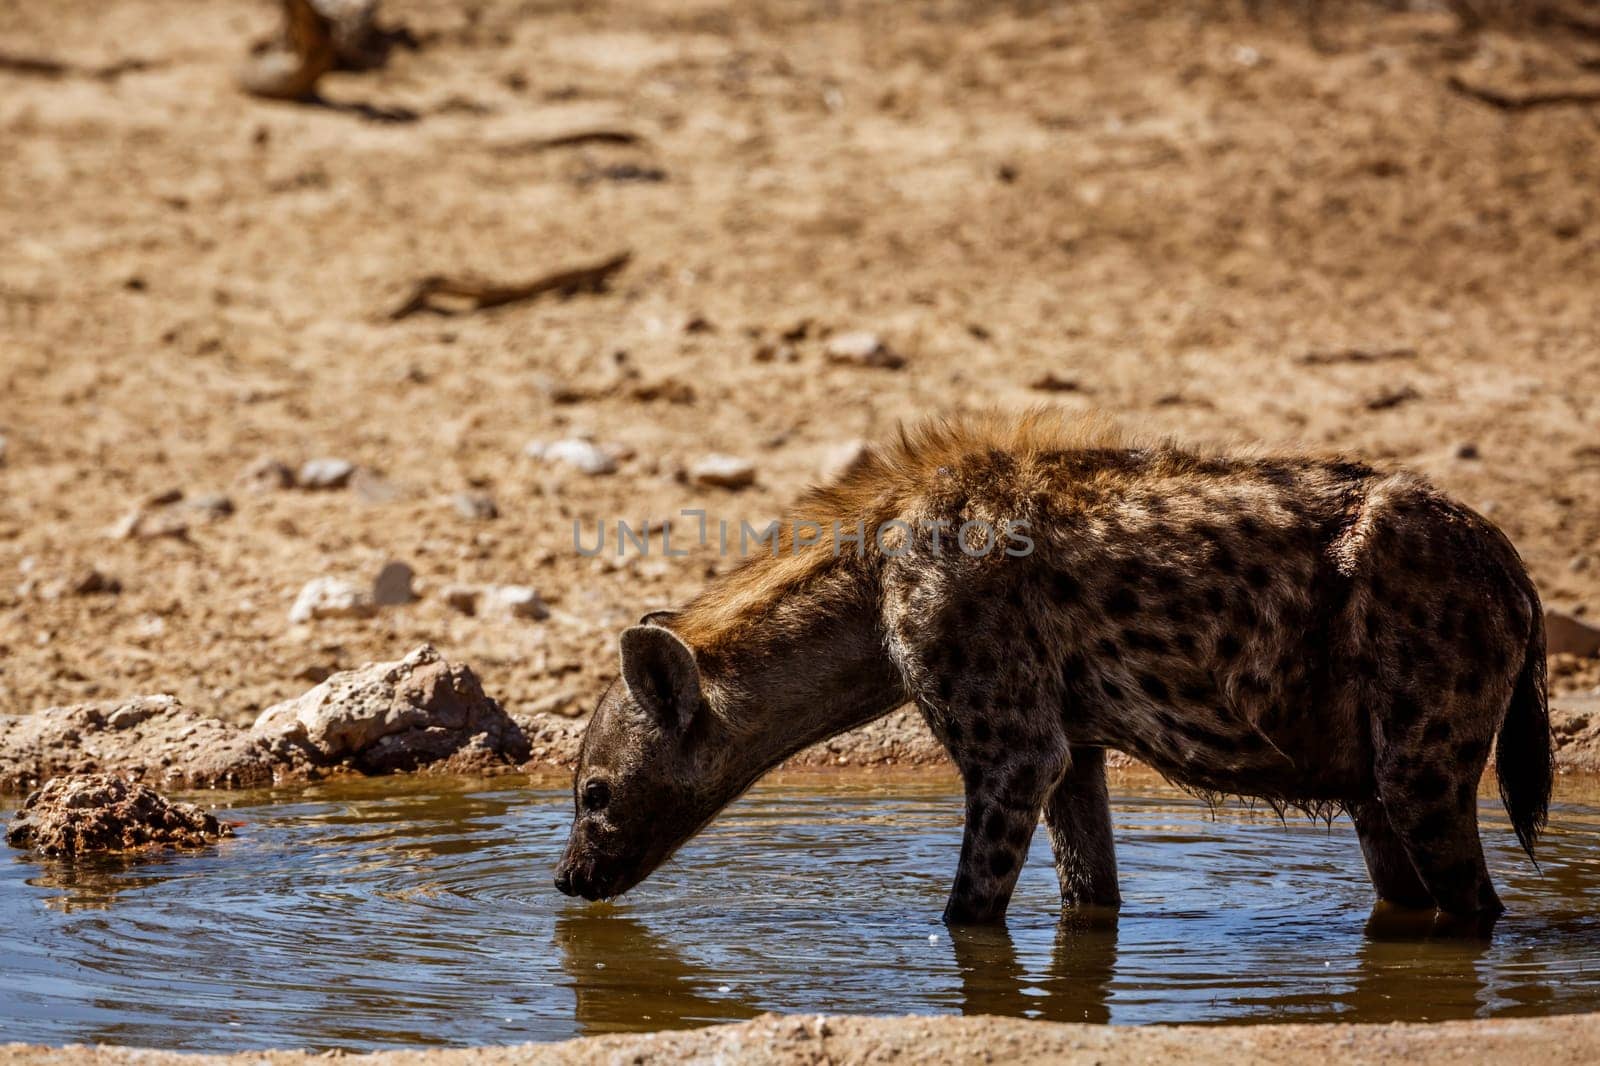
{"x": 1310, "y": 631}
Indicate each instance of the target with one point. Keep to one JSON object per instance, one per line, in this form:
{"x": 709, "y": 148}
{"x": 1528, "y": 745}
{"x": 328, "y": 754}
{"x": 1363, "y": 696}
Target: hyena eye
{"x": 596, "y": 794}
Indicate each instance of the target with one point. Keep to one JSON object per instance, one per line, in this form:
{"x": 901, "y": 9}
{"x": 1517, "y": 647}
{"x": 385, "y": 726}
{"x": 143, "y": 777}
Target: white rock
{"x": 325, "y": 473}
{"x": 862, "y": 348}
{"x": 841, "y": 457}
{"x": 331, "y": 597}
{"x": 392, "y": 586}
{"x": 723, "y": 471}
{"x": 512, "y": 601}
{"x": 575, "y": 452}
{"x": 477, "y": 506}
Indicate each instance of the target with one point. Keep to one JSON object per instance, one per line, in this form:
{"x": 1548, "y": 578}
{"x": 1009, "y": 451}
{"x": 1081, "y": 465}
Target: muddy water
{"x": 420, "y": 912}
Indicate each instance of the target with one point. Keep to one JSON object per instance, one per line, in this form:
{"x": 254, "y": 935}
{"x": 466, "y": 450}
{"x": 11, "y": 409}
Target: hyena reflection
{"x": 1309, "y": 631}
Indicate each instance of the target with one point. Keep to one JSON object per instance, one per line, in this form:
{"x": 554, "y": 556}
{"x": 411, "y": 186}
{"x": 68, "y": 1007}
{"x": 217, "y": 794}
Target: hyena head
{"x": 641, "y": 787}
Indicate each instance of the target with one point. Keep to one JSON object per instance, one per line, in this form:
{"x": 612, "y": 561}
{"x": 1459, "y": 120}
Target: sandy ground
{"x": 1194, "y": 221}
{"x": 810, "y": 1040}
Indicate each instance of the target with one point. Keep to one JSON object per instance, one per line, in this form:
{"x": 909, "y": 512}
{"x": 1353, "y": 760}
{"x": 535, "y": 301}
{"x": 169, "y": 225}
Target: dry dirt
{"x": 811, "y": 1040}
{"x": 1187, "y": 218}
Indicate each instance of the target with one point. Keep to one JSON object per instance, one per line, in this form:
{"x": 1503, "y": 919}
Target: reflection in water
{"x": 626, "y": 979}
{"x": 417, "y": 912}
{"x": 1075, "y": 988}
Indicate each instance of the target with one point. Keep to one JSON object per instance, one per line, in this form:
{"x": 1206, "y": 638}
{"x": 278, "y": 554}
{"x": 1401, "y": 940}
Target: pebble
{"x": 140, "y": 524}
{"x": 331, "y": 597}
{"x": 476, "y": 506}
{"x": 582, "y": 455}
{"x": 840, "y": 458}
{"x": 325, "y": 473}
{"x": 723, "y": 472}
{"x": 1468, "y": 450}
{"x": 392, "y": 586}
{"x": 267, "y": 475}
{"x": 2, "y": 450}
{"x": 862, "y": 348}
{"x": 513, "y": 601}
{"x": 463, "y": 598}
{"x": 213, "y": 506}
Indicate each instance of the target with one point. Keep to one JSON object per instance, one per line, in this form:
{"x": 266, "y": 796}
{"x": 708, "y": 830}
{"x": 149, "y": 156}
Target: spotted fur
{"x": 1310, "y": 631}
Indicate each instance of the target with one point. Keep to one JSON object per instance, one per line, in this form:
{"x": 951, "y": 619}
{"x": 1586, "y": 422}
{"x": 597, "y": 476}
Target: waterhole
{"x": 421, "y": 912}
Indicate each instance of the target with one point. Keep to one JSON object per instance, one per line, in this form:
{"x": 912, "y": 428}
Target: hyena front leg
{"x": 1005, "y": 790}
{"x": 1078, "y": 815}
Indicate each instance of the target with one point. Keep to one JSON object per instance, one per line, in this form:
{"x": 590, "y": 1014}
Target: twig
{"x": 1509, "y": 102}
{"x": 1357, "y": 355}
{"x": 576, "y": 139}
{"x": 44, "y": 67}
{"x": 474, "y": 294}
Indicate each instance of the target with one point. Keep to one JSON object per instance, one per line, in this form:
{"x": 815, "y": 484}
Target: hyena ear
{"x": 660, "y": 673}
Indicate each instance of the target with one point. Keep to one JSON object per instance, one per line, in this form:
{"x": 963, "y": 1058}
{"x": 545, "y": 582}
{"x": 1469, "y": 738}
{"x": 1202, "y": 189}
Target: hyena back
{"x": 1309, "y": 631}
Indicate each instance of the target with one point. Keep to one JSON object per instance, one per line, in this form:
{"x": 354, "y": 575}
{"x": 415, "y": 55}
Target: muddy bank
{"x": 98, "y": 813}
{"x": 813, "y": 1039}
{"x": 425, "y": 714}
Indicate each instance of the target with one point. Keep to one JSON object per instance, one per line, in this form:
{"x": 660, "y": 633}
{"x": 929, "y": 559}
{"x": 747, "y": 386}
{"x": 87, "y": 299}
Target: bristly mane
{"x": 878, "y": 486}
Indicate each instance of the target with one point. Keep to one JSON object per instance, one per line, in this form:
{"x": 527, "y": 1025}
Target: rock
{"x": 2, "y": 450}
{"x": 267, "y": 475}
{"x": 1468, "y": 450}
{"x": 140, "y": 524}
{"x": 575, "y": 452}
{"x": 861, "y": 348}
{"x": 392, "y": 586}
{"x": 213, "y": 506}
{"x": 1566, "y": 635}
{"x": 512, "y": 601}
{"x": 842, "y": 458}
{"x": 392, "y": 716}
{"x": 723, "y": 472}
{"x": 325, "y": 473}
{"x": 331, "y": 597}
{"x": 475, "y": 506}
{"x": 91, "y": 582}
{"x": 152, "y": 739}
{"x": 463, "y": 598}
{"x": 98, "y": 813}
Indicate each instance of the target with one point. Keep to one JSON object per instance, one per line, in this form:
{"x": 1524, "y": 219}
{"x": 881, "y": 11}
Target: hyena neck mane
{"x": 791, "y": 644}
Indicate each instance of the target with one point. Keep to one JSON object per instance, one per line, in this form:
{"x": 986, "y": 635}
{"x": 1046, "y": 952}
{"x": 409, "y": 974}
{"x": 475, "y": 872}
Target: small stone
{"x": 92, "y": 582}
{"x": 392, "y": 586}
{"x": 463, "y": 598}
{"x": 475, "y": 506}
{"x": 582, "y": 455}
{"x": 513, "y": 601}
{"x": 164, "y": 498}
{"x": 267, "y": 475}
{"x": 213, "y": 506}
{"x": 1565, "y": 634}
{"x": 842, "y": 458}
{"x": 1468, "y": 450}
{"x": 862, "y": 348}
{"x": 325, "y": 473}
{"x": 140, "y": 524}
{"x": 2, "y": 450}
{"x": 564, "y": 703}
{"x": 723, "y": 472}
{"x": 331, "y": 597}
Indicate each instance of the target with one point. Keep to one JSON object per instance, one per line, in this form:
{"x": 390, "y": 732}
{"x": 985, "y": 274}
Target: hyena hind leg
{"x": 1433, "y": 810}
{"x": 1078, "y": 815}
{"x": 1388, "y": 863}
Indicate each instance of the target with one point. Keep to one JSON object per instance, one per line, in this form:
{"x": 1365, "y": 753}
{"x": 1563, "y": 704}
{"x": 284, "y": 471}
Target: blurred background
{"x": 284, "y": 300}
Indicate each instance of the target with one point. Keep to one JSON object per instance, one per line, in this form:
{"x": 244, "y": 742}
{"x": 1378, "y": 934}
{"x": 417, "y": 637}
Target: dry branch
{"x": 445, "y": 295}
{"x": 1507, "y": 101}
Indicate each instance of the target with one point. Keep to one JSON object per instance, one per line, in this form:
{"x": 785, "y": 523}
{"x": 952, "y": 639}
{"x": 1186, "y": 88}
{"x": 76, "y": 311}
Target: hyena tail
{"x": 1524, "y": 755}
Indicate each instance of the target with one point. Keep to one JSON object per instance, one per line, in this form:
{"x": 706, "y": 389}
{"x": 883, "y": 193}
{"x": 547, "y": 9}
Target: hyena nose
{"x": 564, "y": 881}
